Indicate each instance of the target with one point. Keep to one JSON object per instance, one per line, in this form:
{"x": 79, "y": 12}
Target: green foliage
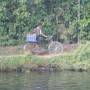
{"x": 11, "y": 62}
{"x": 18, "y": 17}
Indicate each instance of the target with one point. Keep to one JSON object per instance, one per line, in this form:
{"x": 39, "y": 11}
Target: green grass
{"x": 79, "y": 59}
{"x": 11, "y": 62}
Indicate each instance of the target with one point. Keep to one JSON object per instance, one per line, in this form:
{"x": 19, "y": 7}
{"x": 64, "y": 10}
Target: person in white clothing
{"x": 39, "y": 33}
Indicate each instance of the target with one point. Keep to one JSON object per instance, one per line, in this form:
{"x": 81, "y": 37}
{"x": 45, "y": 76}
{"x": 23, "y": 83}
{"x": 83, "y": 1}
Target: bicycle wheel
{"x": 55, "y": 47}
{"x": 29, "y": 47}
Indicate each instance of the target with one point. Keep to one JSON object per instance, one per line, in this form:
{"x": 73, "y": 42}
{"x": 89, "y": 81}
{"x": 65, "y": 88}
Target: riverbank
{"x": 79, "y": 60}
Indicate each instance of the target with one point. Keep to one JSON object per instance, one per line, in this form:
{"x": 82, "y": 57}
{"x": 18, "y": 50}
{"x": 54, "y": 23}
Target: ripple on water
{"x": 45, "y": 81}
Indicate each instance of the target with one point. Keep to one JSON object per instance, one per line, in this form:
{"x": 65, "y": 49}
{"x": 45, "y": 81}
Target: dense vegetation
{"x": 68, "y": 20}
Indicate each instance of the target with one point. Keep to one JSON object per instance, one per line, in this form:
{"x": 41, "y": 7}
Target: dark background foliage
{"x": 68, "y": 20}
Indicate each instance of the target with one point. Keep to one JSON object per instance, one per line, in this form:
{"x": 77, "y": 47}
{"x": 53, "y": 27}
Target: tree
{"x": 18, "y": 17}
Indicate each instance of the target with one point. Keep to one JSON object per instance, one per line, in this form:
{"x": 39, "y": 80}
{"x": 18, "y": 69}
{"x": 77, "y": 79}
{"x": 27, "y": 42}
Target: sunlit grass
{"x": 79, "y": 59}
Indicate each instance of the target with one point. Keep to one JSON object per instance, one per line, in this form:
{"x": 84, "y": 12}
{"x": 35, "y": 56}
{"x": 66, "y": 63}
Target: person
{"x": 35, "y": 38}
{"x": 40, "y": 35}
{"x": 38, "y": 31}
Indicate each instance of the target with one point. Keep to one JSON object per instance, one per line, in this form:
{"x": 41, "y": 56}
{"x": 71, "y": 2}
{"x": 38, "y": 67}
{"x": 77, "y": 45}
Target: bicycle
{"x": 46, "y": 44}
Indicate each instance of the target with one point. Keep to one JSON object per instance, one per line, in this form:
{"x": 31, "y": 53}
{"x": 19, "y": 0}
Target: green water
{"x": 45, "y": 81}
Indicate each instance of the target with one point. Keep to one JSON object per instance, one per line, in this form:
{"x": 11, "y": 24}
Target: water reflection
{"x": 40, "y": 81}
{"x": 45, "y": 81}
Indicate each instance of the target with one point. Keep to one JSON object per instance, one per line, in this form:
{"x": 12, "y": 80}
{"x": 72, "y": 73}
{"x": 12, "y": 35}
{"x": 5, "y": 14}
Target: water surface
{"x": 45, "y": 81}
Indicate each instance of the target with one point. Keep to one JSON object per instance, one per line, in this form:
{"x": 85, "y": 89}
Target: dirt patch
{"x": 18, "y": 50}
{"x": 11, "y": 50}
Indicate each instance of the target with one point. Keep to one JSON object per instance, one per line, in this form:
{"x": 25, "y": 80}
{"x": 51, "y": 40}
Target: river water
{"x": 45, "y": 81}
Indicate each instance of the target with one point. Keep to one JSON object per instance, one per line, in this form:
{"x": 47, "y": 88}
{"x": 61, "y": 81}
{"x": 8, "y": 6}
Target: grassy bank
{"x": 78, "y": 60}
